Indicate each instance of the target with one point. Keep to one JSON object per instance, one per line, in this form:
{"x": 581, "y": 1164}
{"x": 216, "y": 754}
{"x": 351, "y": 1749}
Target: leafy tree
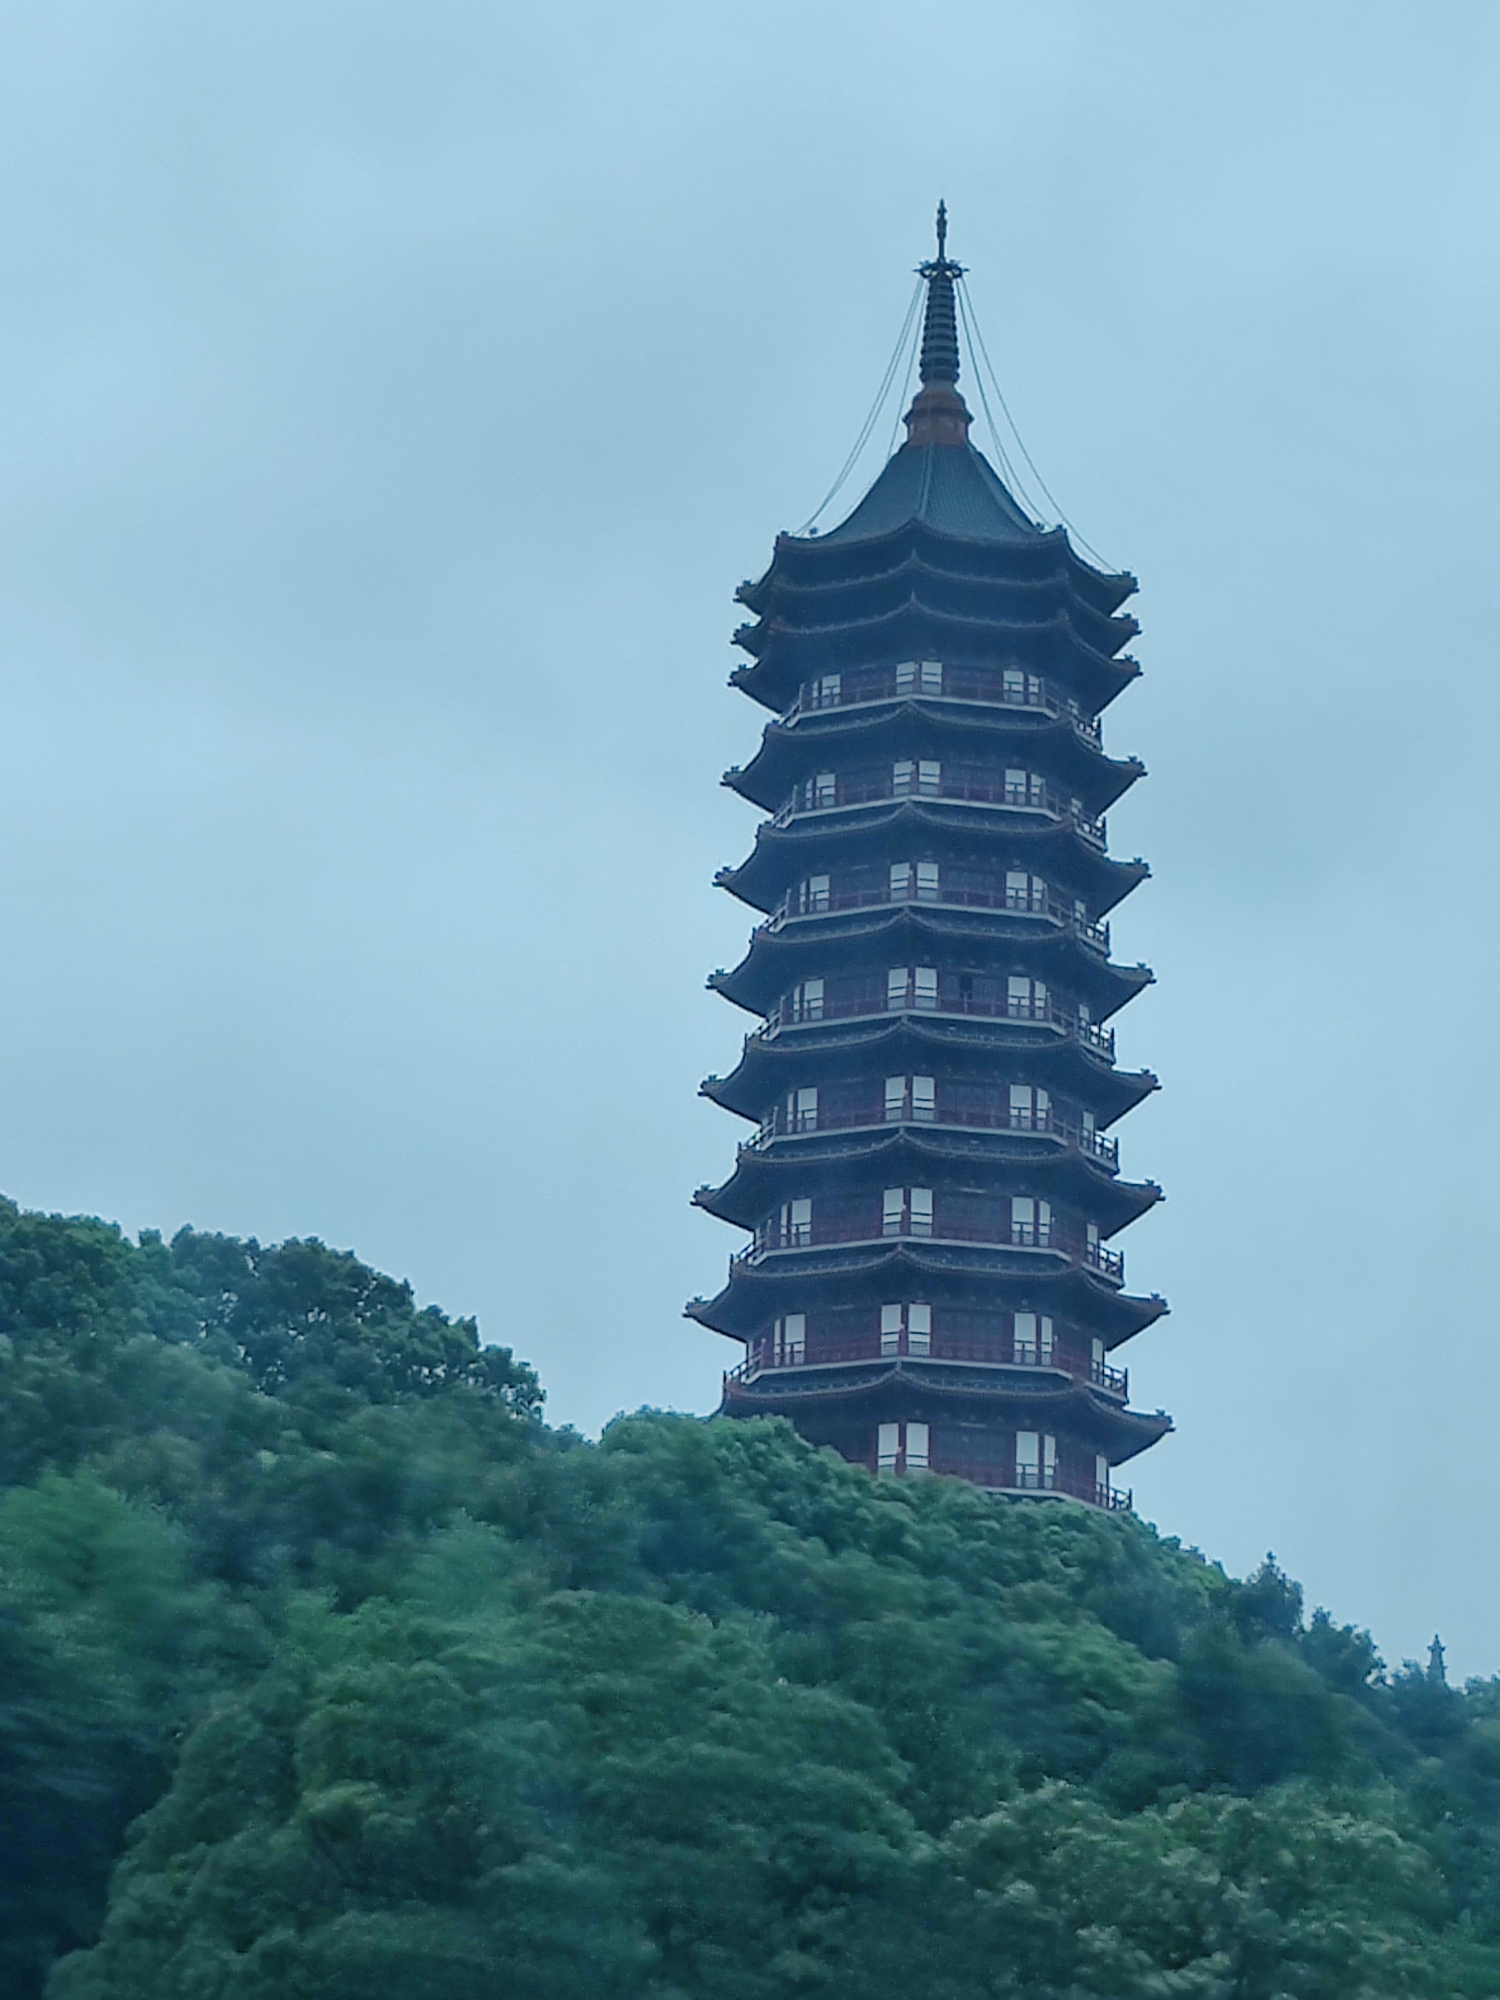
{"x": 327, "y": 1669}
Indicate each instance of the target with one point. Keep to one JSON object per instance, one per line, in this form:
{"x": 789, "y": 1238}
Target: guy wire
{"x": 976, "y": 339}
{"x": 875, "y": 408}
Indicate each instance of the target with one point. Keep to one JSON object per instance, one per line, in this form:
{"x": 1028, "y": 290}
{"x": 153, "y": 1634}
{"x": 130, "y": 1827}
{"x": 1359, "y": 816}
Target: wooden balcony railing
{"x": 1048, "y": 1012}
{"x": 1001, "y": 1478}
{"x": 1048, "y": 1124}
{"x": 767, "y": 1356}
{"x": 995, "y": 686}
{"x": 1023, "y": 1236}
{"x": 847, "y": 793}
{"x": 801, "y": 902}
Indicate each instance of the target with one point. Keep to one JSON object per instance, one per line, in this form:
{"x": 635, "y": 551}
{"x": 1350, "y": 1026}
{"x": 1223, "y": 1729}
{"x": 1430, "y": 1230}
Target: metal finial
{"x": 940, "y": 324}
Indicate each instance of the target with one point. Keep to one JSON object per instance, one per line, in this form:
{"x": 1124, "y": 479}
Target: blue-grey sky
{"x": 391, "y": 397}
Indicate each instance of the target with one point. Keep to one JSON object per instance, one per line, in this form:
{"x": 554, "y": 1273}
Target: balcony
{"x": 933, "y": 680}
{"x": 1048, "y": 1124}
{"x": 850, "y": 792}
{"x": 1036, "y": 1479}
{"x": 806, "y": 902}
{"x": 762, "y": 1356}
{"x": 1051, "y": 1236}
{"x": 1044, "y": 1012}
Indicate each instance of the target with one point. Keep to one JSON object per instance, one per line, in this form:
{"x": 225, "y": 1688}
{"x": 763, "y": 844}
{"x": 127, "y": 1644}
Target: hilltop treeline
{"x": 328, "y": 1670}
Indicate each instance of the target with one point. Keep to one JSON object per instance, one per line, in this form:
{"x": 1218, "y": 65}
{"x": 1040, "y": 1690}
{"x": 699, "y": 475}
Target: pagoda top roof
{"x": 941, "y": 484}
{"x": 950, "y": 488}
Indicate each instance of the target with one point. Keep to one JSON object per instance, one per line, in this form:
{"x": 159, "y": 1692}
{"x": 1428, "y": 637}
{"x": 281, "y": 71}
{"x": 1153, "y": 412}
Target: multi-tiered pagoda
{"x": 933, "y": 1185}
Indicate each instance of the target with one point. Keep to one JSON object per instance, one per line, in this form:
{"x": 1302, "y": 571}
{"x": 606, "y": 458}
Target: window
{"x": 1023, "y": 1340}
{"x": 890, "y": 1329}
{"x": 1030, "y": 1221}
{"x": 1030, "y": 1108}
{"x": 919, "y": 677}
{"x": 924, "y": 776}
{"x": 898, "y": 1445}
{"x": 906, "y": 1211}
{"x": 796, "y": 1224}
{"x": 1019, "y": 997}
{"x": 829, "y": 691}
{"x": 919, "y": 1329}
{"x": 1036, "y": 1460}
{"x": 790, "y": 1334}
{"x": 907, "y": 988}
{"x": 915, "y": 1321}
{"x": 1015, "y": 788}
{"x": 1014, "y": 684}
{"x": 923, "y": 1097}
{"x": 802, "y": 1110}
{"x": 895, "y": 1098}
{"x": 815, "y": 893}
{"x": 927, "y": 881}
{"x": 1031, "y": 1340}
{"x": 823, "y": 790}
{"x": 900, "y": 881}
{"x": 1017, "y": 889}
{"x": 807, "y": 1001}
{"x": 1101, "y": 1474}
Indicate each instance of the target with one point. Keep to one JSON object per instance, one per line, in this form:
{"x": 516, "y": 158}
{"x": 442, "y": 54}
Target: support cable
{"x": 978, "y": 349}
{"x": 875, "y": 408}
{"x": 901, "y": 400}
{"x": 1011, "y": 475}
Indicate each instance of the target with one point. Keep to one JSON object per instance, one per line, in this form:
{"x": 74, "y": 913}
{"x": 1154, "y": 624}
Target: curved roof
{"x": 789, "y": 751}
{"x": 754, "y": 1292}
{"x": 778, "y": 954}
{"x": 988, "y": 1160}
{"x": 951, "y": 488}
{"x": 770, "y": 1064}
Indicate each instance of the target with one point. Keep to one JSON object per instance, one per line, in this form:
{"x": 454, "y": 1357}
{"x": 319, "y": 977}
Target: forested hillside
{"x": 328, "y": 1670}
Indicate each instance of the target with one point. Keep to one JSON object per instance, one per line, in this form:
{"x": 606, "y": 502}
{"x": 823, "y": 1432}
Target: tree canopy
{"x": 328, "y": 1669}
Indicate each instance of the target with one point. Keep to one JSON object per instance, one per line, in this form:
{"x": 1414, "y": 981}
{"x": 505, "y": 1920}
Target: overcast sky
{"x": 391, "y": 397}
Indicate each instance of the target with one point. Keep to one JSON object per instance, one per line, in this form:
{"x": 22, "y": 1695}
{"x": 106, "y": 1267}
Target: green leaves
{"x": 407, "y": 1694}
{"x": 302, "y": 1316}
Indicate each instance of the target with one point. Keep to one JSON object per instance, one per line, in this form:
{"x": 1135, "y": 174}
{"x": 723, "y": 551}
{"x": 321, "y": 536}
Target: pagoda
{"x": 932, "y": 1186}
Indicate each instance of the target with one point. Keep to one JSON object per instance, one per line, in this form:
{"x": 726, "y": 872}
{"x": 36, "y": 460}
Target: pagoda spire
{"x": 938, "y": 414}
{"x": 940, "y": 326}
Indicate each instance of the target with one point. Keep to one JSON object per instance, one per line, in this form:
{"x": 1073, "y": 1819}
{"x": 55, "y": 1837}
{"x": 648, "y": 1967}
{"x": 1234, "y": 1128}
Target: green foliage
{"x": 327, "y": 1670}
